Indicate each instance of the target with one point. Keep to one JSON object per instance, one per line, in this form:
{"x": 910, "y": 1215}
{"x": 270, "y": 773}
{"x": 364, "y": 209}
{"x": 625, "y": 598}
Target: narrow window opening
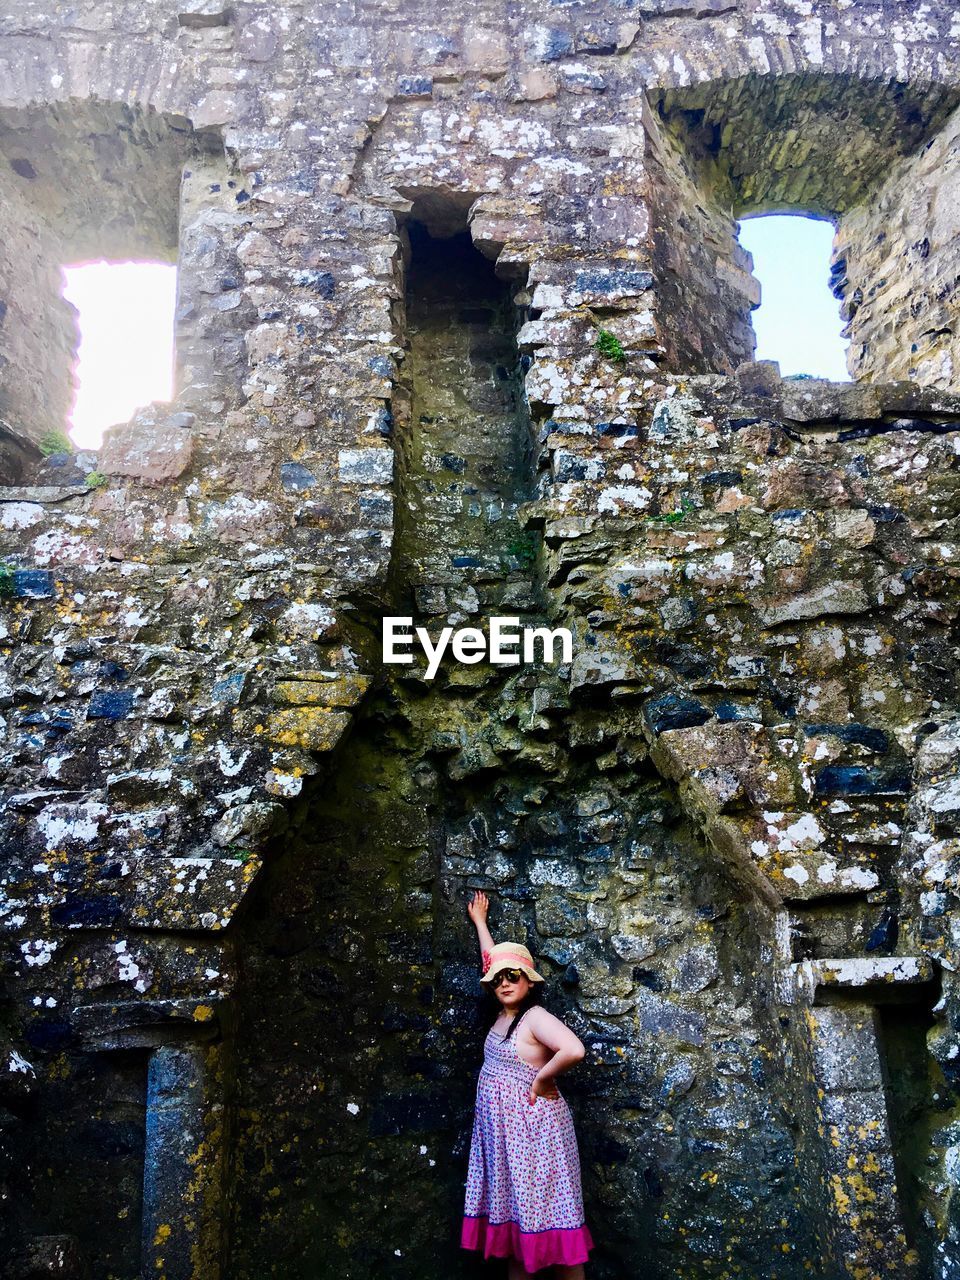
{"x": 464, "y": 453}
{"x": 125, "y": 314}
{"x": 798, "y": 321}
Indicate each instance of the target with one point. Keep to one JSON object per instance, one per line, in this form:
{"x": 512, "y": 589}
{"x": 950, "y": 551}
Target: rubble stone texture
{"x": 240, "y": 1022}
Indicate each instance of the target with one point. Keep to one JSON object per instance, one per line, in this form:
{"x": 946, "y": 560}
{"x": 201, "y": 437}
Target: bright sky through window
{"x": 798, "y": 322}
{"x": 125, "y": 358}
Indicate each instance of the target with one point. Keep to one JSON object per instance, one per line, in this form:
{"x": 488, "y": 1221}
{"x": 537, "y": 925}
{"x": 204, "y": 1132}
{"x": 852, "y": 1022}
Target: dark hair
{"x": 533, "y": 996}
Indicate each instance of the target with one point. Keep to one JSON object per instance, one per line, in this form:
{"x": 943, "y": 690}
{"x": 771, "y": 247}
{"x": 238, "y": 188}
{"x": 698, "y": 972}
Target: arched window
{"x": 798, "y": 321}
{"x": 85, "y": 181}
{"x": 125, "y": 313}
{"x": 874, "y": 159}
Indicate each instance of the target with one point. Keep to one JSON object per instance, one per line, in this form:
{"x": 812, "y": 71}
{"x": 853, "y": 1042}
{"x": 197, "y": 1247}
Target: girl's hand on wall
{"x": 477, "y": 907}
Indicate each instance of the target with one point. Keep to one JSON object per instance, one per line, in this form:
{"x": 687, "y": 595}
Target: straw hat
{"x": 509, "y": 955}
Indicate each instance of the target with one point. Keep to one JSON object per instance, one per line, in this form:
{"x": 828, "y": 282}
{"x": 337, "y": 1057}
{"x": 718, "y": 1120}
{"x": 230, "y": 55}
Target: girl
{"x": 523, "y": 1198}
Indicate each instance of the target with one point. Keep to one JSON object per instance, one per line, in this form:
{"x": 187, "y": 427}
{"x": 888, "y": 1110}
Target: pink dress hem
{"x": 567, "y": 1246}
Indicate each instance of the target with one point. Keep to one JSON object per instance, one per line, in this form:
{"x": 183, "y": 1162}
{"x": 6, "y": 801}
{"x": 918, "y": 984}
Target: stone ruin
{"x": 240, "y": 1027}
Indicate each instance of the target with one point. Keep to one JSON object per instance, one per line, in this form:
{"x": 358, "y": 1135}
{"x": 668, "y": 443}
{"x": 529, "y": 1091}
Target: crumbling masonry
{"x": 239, "y": 1027}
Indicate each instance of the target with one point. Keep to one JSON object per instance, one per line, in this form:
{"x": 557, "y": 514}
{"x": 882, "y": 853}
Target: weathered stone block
{"x": 697, "y": 968}
{"x": 346, "y": 691}
{"x": 599, "y": 668}
{"x": 296, "y": 477}
{"x": 672, "y": 712}
{"x": 837, "y": 597}
{"x": 53, "y": 1255}
{"x": 845, "y": 1051}
{"x": 247, "y": 822}
{"x": 662, "y": 1017}
{"x": 366, "y": 466}
{"x": 153, "y": 454}
{"x": 110, "y": 704}
{"x": 314, "y": 728}
{"x": 203, "y": 13}
{"x": 559, "y": 916}
{"x": 861, "y": 780}
{"x": 33, "y": 584}
{"x": 677, "y": 1082}
{"x": 415, "y": 87}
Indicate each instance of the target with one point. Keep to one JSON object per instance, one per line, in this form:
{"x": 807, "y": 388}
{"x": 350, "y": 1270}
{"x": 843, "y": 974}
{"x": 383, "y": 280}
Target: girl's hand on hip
{"x": 542, "y": 1089}
{"x": 478, "y": 906}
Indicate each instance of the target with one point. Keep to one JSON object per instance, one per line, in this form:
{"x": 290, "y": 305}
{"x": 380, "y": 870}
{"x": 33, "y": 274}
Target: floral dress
{"x": 523, "y": 1183}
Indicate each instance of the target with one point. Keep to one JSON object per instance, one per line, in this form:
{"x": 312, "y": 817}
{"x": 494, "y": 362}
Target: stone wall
{"x": 703, "y": 274}
{"x": 240, "y": 1023}
{"x": 41, "y": 339}
{"x": 895, "y": 269}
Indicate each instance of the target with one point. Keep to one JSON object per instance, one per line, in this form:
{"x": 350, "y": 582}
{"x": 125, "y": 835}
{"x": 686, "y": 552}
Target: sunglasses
{"x": 511, "y": 975}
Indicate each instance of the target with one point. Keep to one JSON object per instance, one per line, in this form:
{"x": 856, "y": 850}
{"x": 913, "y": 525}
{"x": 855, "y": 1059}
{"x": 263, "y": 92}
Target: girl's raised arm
{"x": 477, "y": 909}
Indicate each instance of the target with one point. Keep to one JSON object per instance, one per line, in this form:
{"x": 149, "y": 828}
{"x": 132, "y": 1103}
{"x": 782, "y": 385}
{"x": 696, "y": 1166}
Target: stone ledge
{"x": 138, "y": 891}
{"x": 146, "y": 1023}
{"x": 43, "y": 493}
{"x": 874, "y": 977}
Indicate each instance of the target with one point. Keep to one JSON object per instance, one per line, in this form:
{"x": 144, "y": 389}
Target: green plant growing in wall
{"x": 674, "y": 517}
{"x": 7, "y": 588}
{"x": 55, "y": 442}
{"x": 522, "y": 548}
{"x": 95, "y": 479}
{"x": 609, "y": 345}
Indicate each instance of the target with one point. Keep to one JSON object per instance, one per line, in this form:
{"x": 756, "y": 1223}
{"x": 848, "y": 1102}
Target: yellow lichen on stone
{"x": 861, "y": 1188}
{"x": 314, "y": 728}
{"x": 841, "y": 1199}
{"x": 346, "y": 691}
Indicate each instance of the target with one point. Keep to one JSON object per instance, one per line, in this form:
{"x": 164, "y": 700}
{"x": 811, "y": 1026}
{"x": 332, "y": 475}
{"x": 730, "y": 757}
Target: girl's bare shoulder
{"x": 553, "y": 1033}
{"x": 542, "y": 1020}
